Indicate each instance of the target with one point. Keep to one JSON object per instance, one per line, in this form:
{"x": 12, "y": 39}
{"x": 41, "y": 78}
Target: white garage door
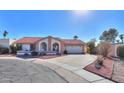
{"x": 26, "y": 47}
{"x": 74, "y": 49}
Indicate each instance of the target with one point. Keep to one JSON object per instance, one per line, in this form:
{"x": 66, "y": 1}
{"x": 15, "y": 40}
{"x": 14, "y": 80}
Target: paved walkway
{"x": 70, "y": 68}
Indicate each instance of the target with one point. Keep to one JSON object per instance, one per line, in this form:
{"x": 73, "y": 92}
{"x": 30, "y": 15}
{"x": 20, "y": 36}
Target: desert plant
{"x": 103, "y": 48}
{"x": 120, "y": 51}
{"x": 99, "y": 63}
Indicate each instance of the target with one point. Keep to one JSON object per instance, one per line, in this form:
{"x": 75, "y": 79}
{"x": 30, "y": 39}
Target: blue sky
{"x": 64, "y": 24}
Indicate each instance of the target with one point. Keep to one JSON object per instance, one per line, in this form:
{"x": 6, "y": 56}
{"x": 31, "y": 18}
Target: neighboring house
{"x": 6, "y": 42}
{"x": 51, "y": 44}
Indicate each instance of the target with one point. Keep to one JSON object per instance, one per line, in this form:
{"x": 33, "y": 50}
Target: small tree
{"x": 103, "y": 48}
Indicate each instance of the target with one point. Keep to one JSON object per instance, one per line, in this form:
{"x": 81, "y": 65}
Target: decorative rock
{"x": 98, "y": 66}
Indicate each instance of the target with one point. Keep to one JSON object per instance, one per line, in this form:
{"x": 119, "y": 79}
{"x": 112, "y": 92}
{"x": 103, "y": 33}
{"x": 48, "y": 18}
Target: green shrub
{"x": 4, "y": 51}
{"x": 0, "y": 48}
{"x": 91, "y": 47}
{"x": 34, "y": 53}
{"x": 120, "y": 51}
{"x": 65, "y": 52}
{"x": 15, "y": 48}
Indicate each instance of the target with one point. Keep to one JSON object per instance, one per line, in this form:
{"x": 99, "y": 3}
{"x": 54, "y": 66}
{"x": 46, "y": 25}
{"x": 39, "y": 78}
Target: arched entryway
{"x": 56, "y": 47}
{"x": 43, "y": 46}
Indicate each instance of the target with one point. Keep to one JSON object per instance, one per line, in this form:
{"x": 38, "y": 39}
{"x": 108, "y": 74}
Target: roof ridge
{"x": 33, "y": 37}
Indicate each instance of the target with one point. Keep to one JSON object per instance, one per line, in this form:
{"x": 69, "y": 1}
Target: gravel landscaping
{"x": 106, "y": 70}
{"x": 118, "y": 71}
{"x": 112, "y": 70}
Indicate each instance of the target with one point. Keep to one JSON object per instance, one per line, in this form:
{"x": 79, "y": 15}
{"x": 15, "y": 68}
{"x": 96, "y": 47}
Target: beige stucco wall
{"x": 52, "y": 41}
{"x": 117, "y": 47}
{"x": 55, "y": 41}
{"x": 39, "y": 43}
{"x": 113, "y": 49}
{"x": 46, "y": 41}
{"x": 85, "y": 48}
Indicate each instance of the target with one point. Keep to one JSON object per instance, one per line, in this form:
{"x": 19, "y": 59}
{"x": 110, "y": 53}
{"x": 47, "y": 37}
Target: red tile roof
{"x": 28, "y": 40}
{"x": 72, "y": 42}
{"x": 32, "y": 40}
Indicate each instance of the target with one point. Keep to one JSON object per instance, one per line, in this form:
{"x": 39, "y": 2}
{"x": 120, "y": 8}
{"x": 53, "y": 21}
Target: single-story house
{"x": 51, "y": 44}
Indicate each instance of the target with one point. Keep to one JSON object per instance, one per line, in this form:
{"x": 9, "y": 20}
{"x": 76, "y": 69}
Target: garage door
{"x": 26, "y": 47}
{"x": 74, "y": 49}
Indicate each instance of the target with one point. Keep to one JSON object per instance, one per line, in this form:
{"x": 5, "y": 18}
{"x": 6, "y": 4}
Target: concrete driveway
{"x": 79, "y": 61}
{"x": 13, "y": 70}
{"x": 71, "y": 67}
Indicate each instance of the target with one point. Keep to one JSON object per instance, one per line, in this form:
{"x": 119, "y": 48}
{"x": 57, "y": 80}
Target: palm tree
{"x": 5, "y": 33}
{"x": 75, "y": 37}
{"x": 117, "y": 41}
{"x": 122, "y": 38}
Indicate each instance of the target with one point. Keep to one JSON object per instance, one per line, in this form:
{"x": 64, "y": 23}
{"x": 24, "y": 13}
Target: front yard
{"x": 111, "y": 69}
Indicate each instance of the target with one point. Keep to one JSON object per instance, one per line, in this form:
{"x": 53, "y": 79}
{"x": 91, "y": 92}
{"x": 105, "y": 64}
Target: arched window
{"x": 56, "y": 47}
{"x": 43, "y": 46}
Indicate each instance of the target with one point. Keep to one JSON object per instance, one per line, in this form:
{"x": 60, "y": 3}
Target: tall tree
{"x": 109, "y": 35}
{"x": 122, "y": 38}
{"x": 5, "y": 33}
{"x": 75, "y": 37}
{"x": 104, "y": 36}
{"x": 113, "y": 33}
